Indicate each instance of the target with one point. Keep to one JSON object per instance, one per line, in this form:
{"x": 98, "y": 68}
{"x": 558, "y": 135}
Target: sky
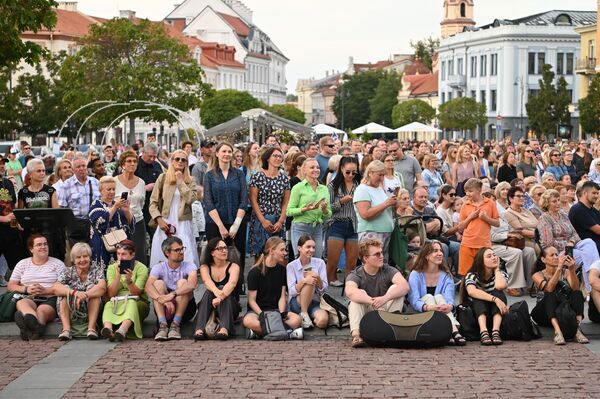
{"x": 320, "y": 35}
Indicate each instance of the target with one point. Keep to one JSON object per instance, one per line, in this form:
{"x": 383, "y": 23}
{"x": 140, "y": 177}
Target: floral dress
{"x": 100, "y": 225}
{"x": 270, "y": 200}
{"x": 69, "y": 277}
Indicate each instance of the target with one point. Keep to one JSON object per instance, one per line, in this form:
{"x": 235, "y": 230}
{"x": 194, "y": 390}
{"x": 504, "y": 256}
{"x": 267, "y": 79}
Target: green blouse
{"x": 139, "y": 278}
{"x": 302, "y": 194}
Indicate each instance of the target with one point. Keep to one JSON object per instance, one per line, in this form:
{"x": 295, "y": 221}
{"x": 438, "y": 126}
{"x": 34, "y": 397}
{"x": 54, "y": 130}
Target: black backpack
{"x": 517, "y": 324}
{"x": 567, "y": 319}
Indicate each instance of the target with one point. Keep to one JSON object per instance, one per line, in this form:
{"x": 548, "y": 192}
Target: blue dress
{"x": 100, "y": 225}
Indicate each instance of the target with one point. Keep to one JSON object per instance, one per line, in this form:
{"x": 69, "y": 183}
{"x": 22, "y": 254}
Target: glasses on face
{"x": 178, "y": 159}
{"x": 529, "y": 151}
{"x": 377, "y": 254}
{"x": 178, "y": 250}
{"x": 40, "y": 245}
{"x": 556, "y": 155}
{"x": 131, "y": 161}
{"x": 451, "y": 195}
{"x": 277, "y": 156}
{"x": 350, "y": 172}
{"x": 330, "y": 145}
{"x": 221, "y": 248}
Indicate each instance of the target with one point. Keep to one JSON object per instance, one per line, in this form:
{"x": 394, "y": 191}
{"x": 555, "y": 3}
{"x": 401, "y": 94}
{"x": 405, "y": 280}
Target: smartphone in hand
{"x": 125, "y": 265}
{"x": 124, "y": 195}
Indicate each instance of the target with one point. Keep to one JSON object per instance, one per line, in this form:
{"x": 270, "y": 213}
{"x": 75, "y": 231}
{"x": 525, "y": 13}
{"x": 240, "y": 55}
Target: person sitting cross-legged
{"x": 373, "y": 286}
{"x": 171, "y": 286}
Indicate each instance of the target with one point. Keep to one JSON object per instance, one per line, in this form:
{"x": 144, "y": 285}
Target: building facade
{"x": 500, "y": 65}
{"x": 458, "y": 14}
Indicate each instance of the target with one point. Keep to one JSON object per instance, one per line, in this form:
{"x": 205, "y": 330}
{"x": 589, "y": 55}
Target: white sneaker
{"x": 297, "y": 334}
{"x": 336, "y": 283}
{"x": 306, "y": 321}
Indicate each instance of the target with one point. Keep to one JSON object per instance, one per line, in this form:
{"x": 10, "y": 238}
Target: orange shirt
{"x": 477, "y": 233}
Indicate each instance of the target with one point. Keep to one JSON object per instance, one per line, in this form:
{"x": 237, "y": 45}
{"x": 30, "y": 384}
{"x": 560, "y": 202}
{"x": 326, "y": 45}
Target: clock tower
{"x": 457, "y": 15}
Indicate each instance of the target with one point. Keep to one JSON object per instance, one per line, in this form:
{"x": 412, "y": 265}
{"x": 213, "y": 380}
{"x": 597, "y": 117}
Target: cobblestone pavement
{"x": 18, "y": 356}
{"x": 331, "y": 369}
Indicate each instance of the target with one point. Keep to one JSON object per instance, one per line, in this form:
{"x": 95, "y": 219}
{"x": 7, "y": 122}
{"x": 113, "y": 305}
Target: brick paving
{"x": 19, "y": 356}
{"x": 331, "y": 369}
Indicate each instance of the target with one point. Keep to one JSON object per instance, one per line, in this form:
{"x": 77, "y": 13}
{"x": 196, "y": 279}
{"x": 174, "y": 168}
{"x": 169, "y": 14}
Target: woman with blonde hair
{"x": 63, "y": 170}
{"x": 448, "y": 165}
{"x": 374, "y": 209}
{"x": 464, "y": 169}
{"x": 526, "y": 165}
{"x": 267, "y": 287}
{"x": 171, "y": 208}
{"x": 500, "y": 192}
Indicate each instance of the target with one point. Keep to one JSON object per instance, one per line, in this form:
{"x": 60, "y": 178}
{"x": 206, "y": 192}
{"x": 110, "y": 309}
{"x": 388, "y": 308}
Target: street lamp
{"x": 520, "y": 82}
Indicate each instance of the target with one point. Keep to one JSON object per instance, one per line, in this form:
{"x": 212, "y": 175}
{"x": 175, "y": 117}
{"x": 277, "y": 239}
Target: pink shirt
{"x": 46, "y": 275}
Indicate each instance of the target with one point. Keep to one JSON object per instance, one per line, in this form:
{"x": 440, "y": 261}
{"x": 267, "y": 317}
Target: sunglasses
{"x": 377, "y": 254}
{"x": 178, "y": 159}
{"x": 330, "y": 145}
{"x": 354, "y": 173}
{"x": 529, "y": 151}
{"x": 451, "y": 195}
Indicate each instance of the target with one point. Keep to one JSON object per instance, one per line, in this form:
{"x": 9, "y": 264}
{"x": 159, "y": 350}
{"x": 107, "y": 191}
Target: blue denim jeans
{"x": 316, "y": 232}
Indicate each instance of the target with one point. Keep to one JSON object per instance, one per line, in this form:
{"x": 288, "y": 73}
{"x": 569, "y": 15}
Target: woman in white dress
{"x": 128, "y": 182}
{"x": 171, "y": 208}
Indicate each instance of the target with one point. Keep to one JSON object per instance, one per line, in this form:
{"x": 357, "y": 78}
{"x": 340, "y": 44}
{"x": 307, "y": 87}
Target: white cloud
{"x": 319, "y": 35}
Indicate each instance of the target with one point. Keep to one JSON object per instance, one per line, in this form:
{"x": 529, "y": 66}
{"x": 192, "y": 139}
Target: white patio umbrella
{"x": 417, "y": 127}
{"x": 325, "y": 130}
{"x": 372, "y": 128}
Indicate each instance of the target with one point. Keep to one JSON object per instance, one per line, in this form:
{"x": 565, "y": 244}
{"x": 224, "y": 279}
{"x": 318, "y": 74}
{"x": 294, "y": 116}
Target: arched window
{"x": 463, "y": 10}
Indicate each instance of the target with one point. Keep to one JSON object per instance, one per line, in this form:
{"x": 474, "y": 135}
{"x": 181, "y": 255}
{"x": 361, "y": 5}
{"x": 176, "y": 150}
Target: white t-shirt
{"x": 389, "y": 185}
{"x": 27, "y": 273}
{"x": 446, "y": 216}
{"x": 136, "y": 197}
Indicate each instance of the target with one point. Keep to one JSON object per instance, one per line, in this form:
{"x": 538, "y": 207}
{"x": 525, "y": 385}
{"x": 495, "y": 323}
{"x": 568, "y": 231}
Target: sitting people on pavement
{"x": 220, "y": 277}
{"x": 34, "y": 278}
{"x": 373, "y": 286}
{"x": 80, "y": 288}
{"x": 485, "y": 284}
{"x": 267, "y": 287}
{"x": 306, "y": 281}
{"x": 432, "y": 286}
{"x": 128, "y": 304}
{"x": 171, "y": 286}
{"x": 556, "y": 282}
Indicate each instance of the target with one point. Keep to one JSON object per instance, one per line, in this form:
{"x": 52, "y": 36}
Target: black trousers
{"x": 488, "y": 308}
{"x": 545, "y": 310}
{"x": 239, "y": 242}
{"x": 11, "y": 246}
{"x": 227, "y": 310}
{"x": 593, "y": 313}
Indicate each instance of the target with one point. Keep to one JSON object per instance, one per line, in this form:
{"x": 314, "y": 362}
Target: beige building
{"x": 458, "y": 14}
{"x": 587, "y": 64}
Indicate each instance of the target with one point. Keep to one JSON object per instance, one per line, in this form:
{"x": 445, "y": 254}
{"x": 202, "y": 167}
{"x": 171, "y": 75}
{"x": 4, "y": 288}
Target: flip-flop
{"x": 199, "y": 336}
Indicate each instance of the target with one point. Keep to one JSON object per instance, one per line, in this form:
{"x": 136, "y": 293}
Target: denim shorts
{"x": 312, "y": 307}
{"x": 342, "y": 230}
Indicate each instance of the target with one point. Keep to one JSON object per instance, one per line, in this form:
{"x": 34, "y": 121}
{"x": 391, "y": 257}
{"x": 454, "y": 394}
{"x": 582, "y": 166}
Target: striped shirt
{"x": 339, "y": 211}
{"x": 76, "y": 195}
{"x": 487, "y": 286}
{"x": 27, "y": 273}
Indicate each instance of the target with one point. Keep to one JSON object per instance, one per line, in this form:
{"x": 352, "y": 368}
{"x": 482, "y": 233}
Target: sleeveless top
{"x": 464, "y": 173}
{"x": 225, "y": 279}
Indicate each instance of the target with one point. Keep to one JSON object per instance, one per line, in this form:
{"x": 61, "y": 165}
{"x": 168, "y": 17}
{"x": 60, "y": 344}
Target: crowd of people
{"x": 498, "y": 218}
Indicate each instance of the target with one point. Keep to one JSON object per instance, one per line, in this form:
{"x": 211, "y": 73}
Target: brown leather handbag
{"x": 515, "y": 242}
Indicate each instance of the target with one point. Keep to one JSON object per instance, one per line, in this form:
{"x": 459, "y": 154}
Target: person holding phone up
{"x": 107, "y": 214}
{"x": 309, "y": 206}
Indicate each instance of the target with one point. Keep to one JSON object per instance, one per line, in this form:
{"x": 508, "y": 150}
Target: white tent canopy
{"x": 325, "y": 130}
{"x": 372, "y": 128}
{"x": 417, "y": 127}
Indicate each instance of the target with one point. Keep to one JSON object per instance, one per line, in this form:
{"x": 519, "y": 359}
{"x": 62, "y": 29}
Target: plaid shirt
{"x": 76, "y": 196}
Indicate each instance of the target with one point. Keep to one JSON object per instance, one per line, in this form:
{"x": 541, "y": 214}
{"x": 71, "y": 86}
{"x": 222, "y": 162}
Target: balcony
{"x": 585, "y": 66}
{"x": 457, "y": 81}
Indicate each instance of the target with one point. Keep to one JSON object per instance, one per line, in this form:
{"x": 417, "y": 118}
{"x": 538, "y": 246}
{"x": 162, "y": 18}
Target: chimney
{"x": 67, "y": 5}
{"x": 327, "y": 73}
{"x": 129, "y": 14}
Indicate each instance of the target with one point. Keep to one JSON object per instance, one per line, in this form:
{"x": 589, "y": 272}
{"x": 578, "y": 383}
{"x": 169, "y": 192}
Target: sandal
{"x": 92, "y": 335}
{"x": 107, "y": 333}
{"x": 222, "y": 336}
{"x": 65, "y": 335}
{"x": 485, "y": 339}
{"x": 120, "y": 335}
{"x": 358, "y": 342}
{"x": 459, "y": 340}
{"x": 496, "y": 339}
{"x": 199, "y": 336}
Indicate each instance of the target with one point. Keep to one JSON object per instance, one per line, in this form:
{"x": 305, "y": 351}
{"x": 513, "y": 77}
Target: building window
{"x": 560, "y": 57}
{"x": 473, "y": 67}
{"x": 459, "y": 94}
{"x": 532, "y": 93}
{"x": 450, "y": 96}
{"x": 592, "y": 48}
{"x": 541, "y": 62}
{"x": 459, "y": 66}
{"x": 482, "y": 98}
{"x": 443, "y": 70}
{"x": 483, "y": 66}
{"x": 450, "y": 67}
{"x": 494, "y": 65}
{"x": 443, "y": 98}
{"x": 474, "y": 94}
{"x": 569, "y": 63}
{"x": 531, "y": 64}
{"x": 494, "y": 99}
{"x": 570, "y": 95}
{"x": 463, "y": 10}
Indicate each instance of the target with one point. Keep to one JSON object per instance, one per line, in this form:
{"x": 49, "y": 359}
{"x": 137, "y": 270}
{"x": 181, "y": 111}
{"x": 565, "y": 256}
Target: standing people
{"x": 10, "y": 244}
{"x": 405, "y": 165}
{"x": 464, "y": 168}
{"x": 327, "y": 150}
{"x": 431, "y": 176}
{"x": 309, "y": 206}
{"x": 14, "y": 168}
{"x": 392, "y": 179}
{"x": 171, "y": 208}
{"x": 508, "y": 171}
{"x": 344, "y": 223}
{"x": 148, "y": 169}
{"x": 128, "y": 182}
{"x": 64, "y": 170}
{"x": 556, "y": 167}
{"x": 526, "y": 165}
{"x": 250, "y": 161}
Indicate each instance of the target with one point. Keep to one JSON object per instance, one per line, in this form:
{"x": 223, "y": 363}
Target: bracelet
{"x": 494, "y": 299}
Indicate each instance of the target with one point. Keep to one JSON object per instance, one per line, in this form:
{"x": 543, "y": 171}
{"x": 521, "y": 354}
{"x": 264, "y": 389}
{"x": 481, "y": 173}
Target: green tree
{"x": 16, "y": 17}
{"x": 124, "y": 61}
{"x": 385, "y": 98}
{"x": 412, "y": 111}
{"x": 291, "y": 98}
{"x": 288, "y": 111}
{"x": 9, "y": 106}
{"x": 550, "y": 106}
{"x": 462, "y": 113}
{"x": 353, "y": 98}
{"x": 589, "y": 108}
{"x": 42, "y": 109}
{"x": 425, "y": 50}
{"x": 225, "y": 105}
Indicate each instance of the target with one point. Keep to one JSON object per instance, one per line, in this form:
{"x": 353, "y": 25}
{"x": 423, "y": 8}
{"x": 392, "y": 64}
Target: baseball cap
{"x": 14, "y": 151}
{"x": 206, "y": 143}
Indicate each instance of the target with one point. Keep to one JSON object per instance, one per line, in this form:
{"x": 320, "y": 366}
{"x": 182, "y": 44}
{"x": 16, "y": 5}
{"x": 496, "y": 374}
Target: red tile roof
{"x": 237, "y": 24}
{"x": 421, "y": 84}
{"x": 377, "y": 65}
{"x": 70, "y": 23}
{"x": 416, "y": 68}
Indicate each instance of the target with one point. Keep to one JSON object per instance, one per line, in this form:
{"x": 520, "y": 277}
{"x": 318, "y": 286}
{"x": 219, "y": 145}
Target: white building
{"x": 230, "y": 22}
{"x": 500, "y": 64}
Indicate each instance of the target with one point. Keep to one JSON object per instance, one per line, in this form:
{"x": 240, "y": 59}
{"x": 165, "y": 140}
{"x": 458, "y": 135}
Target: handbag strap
{"x": 90, "y": 186}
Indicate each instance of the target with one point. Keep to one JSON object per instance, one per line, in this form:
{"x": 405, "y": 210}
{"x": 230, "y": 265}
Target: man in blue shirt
{"x": 327, "y": 148}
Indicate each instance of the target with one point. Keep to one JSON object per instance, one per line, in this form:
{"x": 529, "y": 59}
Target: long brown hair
{"x": 215, "y": 161}
{"x": 270, "y": 245}
{"x": 427, "y": 249}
